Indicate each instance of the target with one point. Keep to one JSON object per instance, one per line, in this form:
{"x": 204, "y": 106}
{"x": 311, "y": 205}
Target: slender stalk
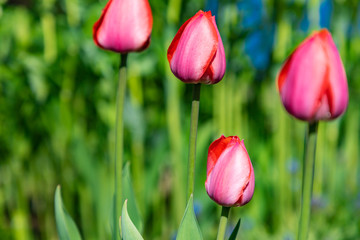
{"x": 175, "y": 135}
{"x": 223, "y": 222}
{"x": 308, "y": 179}
{"x": 119, "y": 148}
{"x": 192, "y": 142}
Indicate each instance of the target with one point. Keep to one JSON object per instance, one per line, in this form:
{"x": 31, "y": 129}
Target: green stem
{"x": 119, "y": 148}
{"x": 308, "y": 179}
{"x": 223, "y": 222}
{"x": 192, "y": 141}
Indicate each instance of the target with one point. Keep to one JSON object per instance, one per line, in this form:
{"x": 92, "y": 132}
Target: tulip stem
{"x": 308, "y": 179}
{"x": 223, "y": 222}
{"x": 119, "y": 139}
{"x": 192, "y": 141}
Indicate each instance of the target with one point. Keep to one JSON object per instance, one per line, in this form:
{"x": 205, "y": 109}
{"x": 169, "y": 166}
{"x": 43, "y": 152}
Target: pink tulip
{"x": 196, "y": 54}
{"x": 230, "y": 177}
{"x": 312, "y": 82}
{"x": 124, "y": 26}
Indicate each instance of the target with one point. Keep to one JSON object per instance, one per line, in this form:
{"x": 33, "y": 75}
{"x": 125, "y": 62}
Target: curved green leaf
{"x": 189, "y": 227}
{"x": 235, "y": 232}
{"x": 66, "y": 227}
{"x": 128, "y": 193}
{"x": 128, "y": 229}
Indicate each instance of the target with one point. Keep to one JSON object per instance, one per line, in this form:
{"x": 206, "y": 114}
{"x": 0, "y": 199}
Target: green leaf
{"x": 189, "y": 227}
{"x": 128, "y": 193}
{"x": 128, "y": 229}
{"x": 235, "y": 232}
{"x": 66, "y": 227}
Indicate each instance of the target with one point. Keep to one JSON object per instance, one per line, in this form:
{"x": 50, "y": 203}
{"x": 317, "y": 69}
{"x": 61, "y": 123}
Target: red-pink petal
{"x": 216, "y": 148}
{"x": 338, "y": 88}
{"x": 302, "y": 89}
{"x": 124, "y": 26}
{"x": 248, "y": 190}
{"x": 175, "y": 41}
{"x": 312, "y": 82}
{"x": 216, "y": 70}
{"x": 231, "y": 177}
{"x": 193, "y": 51}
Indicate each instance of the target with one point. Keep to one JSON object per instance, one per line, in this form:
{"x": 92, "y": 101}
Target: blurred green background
{"x": 57, "y": 115}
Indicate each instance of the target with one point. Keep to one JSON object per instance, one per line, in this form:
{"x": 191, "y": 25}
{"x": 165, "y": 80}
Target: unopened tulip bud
{"x": 230, "y": 177}
{"x": 312, "y": 82}
{"x": 196, "y": 54}
{"x": 124, "y": 26}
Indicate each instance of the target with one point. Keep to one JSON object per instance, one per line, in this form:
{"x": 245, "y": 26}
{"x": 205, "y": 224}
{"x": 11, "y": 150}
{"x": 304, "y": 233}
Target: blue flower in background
{"x": 305, "y": 23}
{"x": 326, "y": 8}
{"x": 212, "y": 5}
{"x": 259, "y": 40}
{"x": 197, "y": 208}
{"x": 260, "y": 32}
{"x": 325, "y": 11}
{"x": 293, "y": 165}
{"x": 258, "y": 46}
{"x": 251, "y": 12}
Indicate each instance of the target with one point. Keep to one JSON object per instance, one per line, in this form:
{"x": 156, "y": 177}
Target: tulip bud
{"x": 230, "y": 177}
{"x": 312, "y": 82}
{"x": 124, "y": 26}
{"x": 196, "y": 54}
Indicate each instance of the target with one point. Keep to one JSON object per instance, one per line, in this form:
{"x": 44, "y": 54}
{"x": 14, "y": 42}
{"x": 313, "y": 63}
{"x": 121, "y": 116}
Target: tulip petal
{"x": 302, "y": 69}
{"x": 323, "y": 112}
{"x": 312, "y": 83}
{"x": 225, "y": 183}
{"x": 175, "y": 41}
{"x": 216, "y": 70}
{"x": 338, "y": 89}
{"x": 98, "y": 24}
{"x": 191, "y": 54}
{"x": 124, "y": 26}
{"x": 248, "y": 190}
{"x": 216, "y": 148}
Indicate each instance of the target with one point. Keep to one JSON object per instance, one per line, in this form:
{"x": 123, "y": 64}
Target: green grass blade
{"x": 66, "y": 227}
{"x": 128, "y": 229}
{"x": 128, "y": 193}
{"x": 235, "y": 232}
{"x": 189, "y": 227}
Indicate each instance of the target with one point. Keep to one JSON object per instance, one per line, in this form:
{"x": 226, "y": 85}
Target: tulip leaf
{"x": 128, "y": 193}
{"x": 128, "y": 229}
{"x": 189, "y": 227}
{"x": 65, "y": 225}
{"x": 235, "y": 232}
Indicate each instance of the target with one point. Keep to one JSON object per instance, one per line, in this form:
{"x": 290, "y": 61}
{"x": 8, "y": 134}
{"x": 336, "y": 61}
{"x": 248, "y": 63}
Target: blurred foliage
{"x": 57, "y": 114}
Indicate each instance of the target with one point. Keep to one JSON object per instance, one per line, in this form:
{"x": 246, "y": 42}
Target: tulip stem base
{"x": 308, "y": 179}
{"x": 119, "y": 148}
{"x": 223, "y": 222}
{"x": 192, "y": 139}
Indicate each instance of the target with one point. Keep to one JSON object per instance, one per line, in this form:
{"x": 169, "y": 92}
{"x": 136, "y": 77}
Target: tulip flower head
{"x": 196, "y": 54}
{"x": 312, "y": 82}
{"x": 124, "y": 26}
{"x": 230, "y": 177}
